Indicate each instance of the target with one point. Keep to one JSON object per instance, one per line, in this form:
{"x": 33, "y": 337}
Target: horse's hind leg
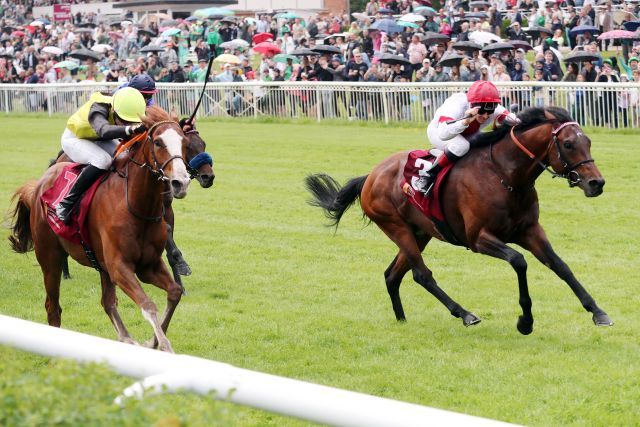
{"x": 488, "y": 244}
{"x": 405, "y": 239}
{"x": 50, "y": 255}
{"x": 395, "y": 273}
{"x": 535, "y": 240}
{"x": 65, "y": 268}
{"x": 110, "y": 304}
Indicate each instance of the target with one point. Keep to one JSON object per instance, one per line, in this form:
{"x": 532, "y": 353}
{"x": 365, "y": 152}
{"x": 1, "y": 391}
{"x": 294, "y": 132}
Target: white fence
{"x": 595, "y": 104}
{"x": 171, "y": 372}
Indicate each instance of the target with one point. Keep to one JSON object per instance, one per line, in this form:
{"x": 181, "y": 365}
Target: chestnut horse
{"x": 489, "y": 200}
{"x": 203, "y": 173}
{"x": 125, "y": 223}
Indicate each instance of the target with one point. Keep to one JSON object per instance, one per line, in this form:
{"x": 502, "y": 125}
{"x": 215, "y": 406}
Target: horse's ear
{"x": 173, "y": 115}
{"x": 549, "y": 116}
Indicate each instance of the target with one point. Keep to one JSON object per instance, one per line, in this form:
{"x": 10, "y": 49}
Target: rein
{"x": 155, "y": 170}
{"x": 569, "y": 171}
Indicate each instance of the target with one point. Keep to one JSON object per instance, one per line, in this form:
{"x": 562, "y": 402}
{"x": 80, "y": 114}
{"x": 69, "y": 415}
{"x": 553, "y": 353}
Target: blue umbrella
{"x": 385, "y": 10}
{"x": 170, "y": 32}
{"x": 631, "y": 25}
{"x": 408, "y": 24}
{"x": 581, "y": 29}
{"x": 389, "y": 26}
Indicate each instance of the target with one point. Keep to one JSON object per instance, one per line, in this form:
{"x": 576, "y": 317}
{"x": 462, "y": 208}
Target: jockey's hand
{"x": 511, "y": 120}
{"x": 137, "y": 129}
{"x": 471, "y": 113}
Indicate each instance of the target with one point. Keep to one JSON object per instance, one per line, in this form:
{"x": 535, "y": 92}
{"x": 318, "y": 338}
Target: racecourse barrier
{"x": 607, "y": 105}
{"x": 172, "y": 372}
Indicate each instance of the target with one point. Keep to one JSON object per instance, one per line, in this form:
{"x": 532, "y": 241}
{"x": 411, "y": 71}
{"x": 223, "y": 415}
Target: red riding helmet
{"x": 483, "y": 91}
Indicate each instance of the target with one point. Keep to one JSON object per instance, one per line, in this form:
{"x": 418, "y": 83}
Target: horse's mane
{"x": 529, "y": 117}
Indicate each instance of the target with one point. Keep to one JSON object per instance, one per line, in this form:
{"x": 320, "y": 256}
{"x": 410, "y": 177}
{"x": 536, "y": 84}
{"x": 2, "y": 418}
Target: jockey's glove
{"x": 136, "y": 129}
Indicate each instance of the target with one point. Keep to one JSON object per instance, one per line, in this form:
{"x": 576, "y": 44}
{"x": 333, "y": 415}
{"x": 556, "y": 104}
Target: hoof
{"x": 152, "y": 343}
{"x": 602, "y": 320}
{"x": 525, "y": 327}
{"x": 470, "y": 319}
{"x": 182, "y": 268}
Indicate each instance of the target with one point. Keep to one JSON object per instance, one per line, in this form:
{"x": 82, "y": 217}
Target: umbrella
{"x": 192, "y": 18}
{"x": 385, "y": 10}
{"x": 169, "y": 33}
{"x": 389, "y": 26}
{"x": 476, "y": 15}
{"x": 631, "y": 25}
{"x": 6, "y": 55}
{"x": 430, "y": 37}
{"x": 484, "y": 37}
{"x": 116, "y": 34}
{"x": 451, "y": 60}
{"x": 480, "y": 4}
{"x": 83, "y": 31}
{"x": 521, "y": 44}
{"x": 326, "y": 49}
{"x": 101, "y": 48}
{"x": 147, "y": 32}
{"x": 69, "y": 65}
{"x": 283, "y": 58}
{"x": 581, "y": 29}
{"x": 359, "y": 16}
{"x": 582, "y": 56}
{"x": 388, "y": 58}
{"x": 37, "y": 23}
{"x": 87, "y": 25}
{"x": 303, "y": 51}
{"x": 169, "y": 23}
{"x": 251, "y": 21}
{"x": 231, "y": 59}
{"x": 235, "y": 44}
{"x": 466, "y": 46}
{"x": 425, "y": 11}
{"x": 535, "y": 29}
{"x": 617, "y": 35}
{"x": 84, "y": 54}
{"x": 497, "y": 47}
{"x": 412, "y": 17}
{"x": 408, "y": 24}
{"x": 126, "y": 23}
{"x": 18, "y": 33}
{"x": 212, "y": 13}
{"x": 152, "y": 48}
{"x": 262, "y": 37}
{"x": 266, "y": 48}
{"x": 287, "y": 15}
{"x": 229, "y": 20}
{"x": 52, "y": 50}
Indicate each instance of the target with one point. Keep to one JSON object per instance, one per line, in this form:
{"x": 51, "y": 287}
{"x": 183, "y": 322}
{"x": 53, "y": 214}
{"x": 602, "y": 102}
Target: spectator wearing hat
{"x": 630, "y": 66}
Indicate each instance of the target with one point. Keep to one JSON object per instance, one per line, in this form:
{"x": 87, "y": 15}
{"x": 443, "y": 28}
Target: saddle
{"x": 418, "y": 163}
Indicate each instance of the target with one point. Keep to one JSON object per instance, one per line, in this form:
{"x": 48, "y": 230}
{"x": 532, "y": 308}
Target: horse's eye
{"x": 157, "y": 143}
{"x": 568, "y": 145}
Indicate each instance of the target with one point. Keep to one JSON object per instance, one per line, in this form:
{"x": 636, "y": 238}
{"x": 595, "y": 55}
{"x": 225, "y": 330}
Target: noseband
{"x": 569, "y": 171}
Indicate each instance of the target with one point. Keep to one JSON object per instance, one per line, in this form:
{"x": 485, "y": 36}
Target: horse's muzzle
{"x": 206, "y": 180}
{"x": 179, "y": 188}
{"x": 593, "y": 187}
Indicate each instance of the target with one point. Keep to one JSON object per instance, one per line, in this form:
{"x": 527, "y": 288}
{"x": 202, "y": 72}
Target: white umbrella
{"x": 412, "y": 17}
{"x": 102, "y": 48}
{"x": 234, "y": 44}
{"x": 37, "y": 23}
{"x": 52, "y": 50}
{"x": 360, "y": 16}
{"x": 484, "y": 37}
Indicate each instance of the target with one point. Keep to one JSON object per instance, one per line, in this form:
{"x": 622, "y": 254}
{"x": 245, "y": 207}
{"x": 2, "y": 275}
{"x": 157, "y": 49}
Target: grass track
{"x": 275, "y": 291}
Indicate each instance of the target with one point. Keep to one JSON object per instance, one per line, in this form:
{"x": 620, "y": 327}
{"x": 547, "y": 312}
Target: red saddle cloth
{"x": 76, "y": 231}
{"x": 421, "y": 160}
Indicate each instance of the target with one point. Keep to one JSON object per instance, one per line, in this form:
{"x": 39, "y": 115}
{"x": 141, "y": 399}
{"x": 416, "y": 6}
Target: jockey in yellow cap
{"x": 92, "y": 135}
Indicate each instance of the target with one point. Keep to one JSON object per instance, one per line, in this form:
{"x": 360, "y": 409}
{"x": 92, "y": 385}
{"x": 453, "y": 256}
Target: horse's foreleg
{"x": 178, "y": 265}
{"x": 395, "y": 273}
{"x": 159, "y": 276}
{"x": 488, "y": 244}
{"x": 65, "y": 268}
{"x": 406, "y": 241}
{"x": 109, "y": 302}
{"x": 535, "y": 240}
{"x": 122, "y": 274}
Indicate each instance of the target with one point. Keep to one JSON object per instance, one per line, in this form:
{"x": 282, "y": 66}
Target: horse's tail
{"x": 21, "y": 238}
{"x": 333, "y": 199}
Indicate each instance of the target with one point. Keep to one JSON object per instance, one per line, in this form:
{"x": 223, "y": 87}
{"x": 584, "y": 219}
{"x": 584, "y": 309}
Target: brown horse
{"x": 125, "y": 224}
{"x": 489, "y": 200}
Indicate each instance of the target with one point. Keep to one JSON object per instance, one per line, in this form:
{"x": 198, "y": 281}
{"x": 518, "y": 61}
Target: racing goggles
{"x": 486, "y": 107}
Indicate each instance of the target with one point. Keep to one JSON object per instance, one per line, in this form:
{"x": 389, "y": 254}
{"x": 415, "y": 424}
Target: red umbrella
{"x": 116, "y": 35}
{"x": 262, "y": 37}
{"x": 18, "y": 34}
{"x": 266, "y": 48}
{"x": 617, "y": 34}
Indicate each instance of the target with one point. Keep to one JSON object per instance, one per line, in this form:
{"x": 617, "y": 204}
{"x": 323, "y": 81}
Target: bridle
{"x": 154, "y": 170}
{"x": 569, "y": 171}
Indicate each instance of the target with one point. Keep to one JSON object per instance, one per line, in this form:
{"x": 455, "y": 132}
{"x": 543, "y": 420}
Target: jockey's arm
{"x": 448, "y": 131}
{"x": 98, "y": 119}
{"x": 453, "y": 108}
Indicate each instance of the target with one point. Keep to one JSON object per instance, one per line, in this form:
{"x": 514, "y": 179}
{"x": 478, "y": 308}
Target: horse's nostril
{"x": 596, "y": 183}
{"x": 176, "y": 185}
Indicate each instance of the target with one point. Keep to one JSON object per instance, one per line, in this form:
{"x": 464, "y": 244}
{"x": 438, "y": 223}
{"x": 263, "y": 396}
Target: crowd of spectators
{"x": 359, "y": 52}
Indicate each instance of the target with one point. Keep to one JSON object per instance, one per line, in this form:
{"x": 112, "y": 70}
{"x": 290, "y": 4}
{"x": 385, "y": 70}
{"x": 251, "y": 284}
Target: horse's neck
{"x": 514, "y": 165}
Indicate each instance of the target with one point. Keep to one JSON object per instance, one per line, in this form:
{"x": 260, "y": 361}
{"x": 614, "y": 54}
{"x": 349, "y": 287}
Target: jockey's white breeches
{"x": 458, "y": 145}
{"x": 96, "y": 153}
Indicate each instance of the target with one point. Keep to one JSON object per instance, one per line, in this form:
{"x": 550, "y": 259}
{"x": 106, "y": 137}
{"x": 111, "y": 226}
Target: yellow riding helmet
{"x": 129, "y": 104}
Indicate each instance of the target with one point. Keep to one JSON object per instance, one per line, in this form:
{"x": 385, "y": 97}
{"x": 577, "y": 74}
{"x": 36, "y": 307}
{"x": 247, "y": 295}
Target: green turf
{"x": 273, "y": 290}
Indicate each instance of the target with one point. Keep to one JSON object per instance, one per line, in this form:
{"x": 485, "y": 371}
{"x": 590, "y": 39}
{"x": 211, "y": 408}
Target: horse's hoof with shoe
{"x": 182, "y": 268}
{"x": 470, "y": 319}
{"x": 602, "y": 320}
{"x": 525, "y": 326}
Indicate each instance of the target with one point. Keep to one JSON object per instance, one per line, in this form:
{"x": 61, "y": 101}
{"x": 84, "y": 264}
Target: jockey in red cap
{"x": 478, "y": 108}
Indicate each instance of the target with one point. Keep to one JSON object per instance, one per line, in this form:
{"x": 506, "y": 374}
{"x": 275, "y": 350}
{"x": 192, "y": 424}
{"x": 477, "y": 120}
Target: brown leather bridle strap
{"x": 520, "y": 145}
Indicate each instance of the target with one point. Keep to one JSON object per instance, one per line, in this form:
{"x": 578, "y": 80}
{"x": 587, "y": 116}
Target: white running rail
{"x": 312, "y": 402}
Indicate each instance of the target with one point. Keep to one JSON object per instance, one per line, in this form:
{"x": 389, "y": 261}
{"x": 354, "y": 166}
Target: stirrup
{"x": 63, "y": 213}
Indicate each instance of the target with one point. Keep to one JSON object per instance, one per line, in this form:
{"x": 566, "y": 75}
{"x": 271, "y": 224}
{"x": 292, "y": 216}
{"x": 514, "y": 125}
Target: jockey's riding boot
{"x": 426, "y": 182}
{"x": 87, "y": 177}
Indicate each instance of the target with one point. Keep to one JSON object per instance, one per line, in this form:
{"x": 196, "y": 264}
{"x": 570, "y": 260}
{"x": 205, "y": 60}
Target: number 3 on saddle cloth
{"x": 418, "y": 164}
{"x": 76, "y": 231}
